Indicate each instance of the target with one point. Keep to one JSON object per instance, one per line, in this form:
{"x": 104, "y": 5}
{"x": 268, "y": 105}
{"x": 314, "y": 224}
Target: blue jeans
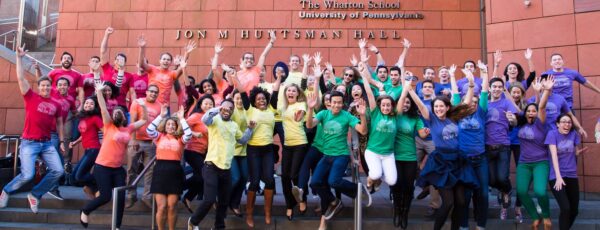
{"x": 330, "y": 173}
{"x": 480, "y": 195}
{"x": 82, "y": 172}
{"x": 261, "y": 163}
{"x": 312, "y": 158}
{"x": 239, "y": 177}
{"x": 499, "y": 167}
{"x": 29, "y": 152}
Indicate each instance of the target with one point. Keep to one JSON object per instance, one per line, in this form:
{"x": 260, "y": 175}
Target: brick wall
{"x": 548, "y": 26}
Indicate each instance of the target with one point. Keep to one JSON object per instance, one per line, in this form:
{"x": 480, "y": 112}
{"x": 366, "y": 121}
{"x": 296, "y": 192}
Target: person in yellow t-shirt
{"x": 260, "y": 109}
{"x": 239, "y": 164}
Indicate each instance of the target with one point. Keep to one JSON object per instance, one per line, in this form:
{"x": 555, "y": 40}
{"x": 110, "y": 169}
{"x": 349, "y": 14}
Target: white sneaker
{"x": 33, "y": 203}
{"x": 3, "y": 199}
{"x": 298, "y": 193}
{"x": 366, "y": 196}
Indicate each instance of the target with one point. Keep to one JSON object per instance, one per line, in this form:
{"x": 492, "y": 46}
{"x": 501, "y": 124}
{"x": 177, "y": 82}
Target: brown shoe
{"x": 250, "y": 198}
{"x": 547, "y": 224}
{"x": 268, "y": 205}
{"x": 535, "y": 224}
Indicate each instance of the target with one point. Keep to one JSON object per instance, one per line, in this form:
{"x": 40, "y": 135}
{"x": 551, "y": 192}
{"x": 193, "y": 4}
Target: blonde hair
{"x": 300, "y": 98}
{"x": 163, "y": 123}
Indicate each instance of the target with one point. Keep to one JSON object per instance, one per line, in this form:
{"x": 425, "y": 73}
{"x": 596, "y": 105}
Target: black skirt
{"x": 167, "y": 177}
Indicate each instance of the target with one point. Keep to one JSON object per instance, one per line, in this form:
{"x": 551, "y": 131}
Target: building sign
{"x": 323, "y": 10}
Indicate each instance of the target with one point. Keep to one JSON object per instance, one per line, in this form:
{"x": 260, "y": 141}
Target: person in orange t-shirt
{"x": 249, "y": 74}
{"x": 161, "y": 75}
{"x": 195, "y": 150}
{"x": 108, "y": 170}
{"x": 170, "y": 136}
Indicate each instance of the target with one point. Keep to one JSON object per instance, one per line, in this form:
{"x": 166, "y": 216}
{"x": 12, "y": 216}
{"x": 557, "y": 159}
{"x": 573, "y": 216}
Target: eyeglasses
{"x": 349, "y": 74}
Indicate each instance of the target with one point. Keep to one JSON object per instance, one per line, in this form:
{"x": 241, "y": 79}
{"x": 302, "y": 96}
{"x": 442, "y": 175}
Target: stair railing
{"x": 13, "y": 41}
{"x": 358, "y": 199}
{"x": 8, "y": 139}
{"x": 134, "y": 186}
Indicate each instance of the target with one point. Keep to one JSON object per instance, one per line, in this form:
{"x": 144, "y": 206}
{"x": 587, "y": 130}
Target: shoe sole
{"x": 297, "y": 195}
{"x": 56, "y": 196}
{"x": 335, "y": 211}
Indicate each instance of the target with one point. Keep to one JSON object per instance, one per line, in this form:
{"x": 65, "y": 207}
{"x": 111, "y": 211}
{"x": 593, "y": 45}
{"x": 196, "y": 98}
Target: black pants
{"x": 404, "y": 188}
{"x": 292, "y": 157}
{"x": 261, "y": 163}
{"x": 452, "y": 199}
{"x": 217, "y": 185}
{"x": 195, "y": 183}
{"x": 108, "y": 178}
{"x": 568, "y": 201}
{"x": 516, "y": 153}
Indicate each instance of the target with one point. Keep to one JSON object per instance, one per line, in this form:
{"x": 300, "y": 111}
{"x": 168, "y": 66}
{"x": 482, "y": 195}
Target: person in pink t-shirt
{"x": 74, "y": 77}
{"x": 41, "y": 113}
{"x": 88, "y": 78}
{"x": 249, "y": 74}
{"x": 161, "y": 75}
{"x": 116, "y": 73}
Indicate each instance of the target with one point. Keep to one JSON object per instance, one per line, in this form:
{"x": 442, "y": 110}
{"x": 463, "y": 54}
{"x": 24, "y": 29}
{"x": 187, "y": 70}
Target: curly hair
{"x": 211, "y": 82}
{"x": 255, "y": 92}
{"x": 163, "y": 125}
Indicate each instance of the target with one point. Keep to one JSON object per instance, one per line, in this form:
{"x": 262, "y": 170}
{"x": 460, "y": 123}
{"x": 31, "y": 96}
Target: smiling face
{"x": 440, "y": 109}
{"x": 556, "y": 61}
{"x": 165, "y": 61}
{"x": 248, "y": 60}
{"x": 327, "y": 101}
{"x": 44, "y": 88}
{"x": 516, "y": 93}
{"x": 512, "y": 71}
{"x": 348, "y": 76}
{"x": 564, "y": 124}
{"x": 406, "y": 105}
{"x": 470, "y": 66}
{"x": 226, "y": 110}
{"x": 88, "y": 105}
{"x": 151, "y": 93}
{"x": 291, "y": 94}
{"x": 444, "y": 75}
{"x": 497, "y": 89}
{"x": 237, "y": 100}
{"x": 171, "y": 126}
{"x": 386, "y": 106}
{"x": 107, "y": 92}
{"x": 261, "y": 101}
{"x": 66, "y": 61}
{"x": 62, "y": 85}
{"x": 207, "y": 104}
{"x": 395, "y": 76}
{"x": 120, "y": 60}
{"x": 336, "y": 104}
{"x": 294, "y": 63}
{"x": 429, "y": 74}
{"x": 207, "y": 88}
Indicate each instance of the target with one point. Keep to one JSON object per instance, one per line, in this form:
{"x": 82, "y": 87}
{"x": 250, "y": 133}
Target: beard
{"x": 67, "y": 65}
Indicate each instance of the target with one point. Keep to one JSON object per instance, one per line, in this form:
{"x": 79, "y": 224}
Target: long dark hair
{"x": 522, "y": 119}
{"x": 95, "y": 111}
{"x": 211, "y": 82}
{"x": 388, "y": 97}
{"x": 114, "y": 89}
{"x": 413, "y": 111}
{"x": 455, "y": 113}
{"x": 520, "y": 71}
{"x": 198, "y": 107}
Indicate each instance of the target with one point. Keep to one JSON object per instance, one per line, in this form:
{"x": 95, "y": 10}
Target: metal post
{"x": 16, "y": 158}
{"x": 153, "y": 212}
{"x": 20, "y": 25}
{"x": 114, "y": 209}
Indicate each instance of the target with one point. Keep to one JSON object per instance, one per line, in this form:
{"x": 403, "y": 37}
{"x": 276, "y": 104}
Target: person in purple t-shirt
{"x": 562, "y": 143}
{"x": 597, "y": 129}
{"x": 564, "y": 78}
{"x": 462, "y": 83}
{"x": 533, "y": 162}
{"x": 513, "y": 72}
{"x": 500, "y": 116}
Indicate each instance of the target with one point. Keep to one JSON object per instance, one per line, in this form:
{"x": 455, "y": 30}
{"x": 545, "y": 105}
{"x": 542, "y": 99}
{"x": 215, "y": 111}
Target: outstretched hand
{"x": 163, "y": 110}
{"x": 99, "y": 86}
{"x": 141, "y": 41}
{"x": 180, "y": 112}
{"x": 218, "y": 48}
{"x": 311, "y": 100}
{"x": 528, "y": 54}
{"x": 362, "y": 43}
{"x": 21, "y": 51}
{"x": 317, "y": 58}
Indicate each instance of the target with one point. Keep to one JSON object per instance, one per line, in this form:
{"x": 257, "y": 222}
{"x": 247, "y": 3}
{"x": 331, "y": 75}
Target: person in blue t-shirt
{"x": 564, "y": 78}
{"x": 428, "y": 74}
{"x": 462, "y": 83}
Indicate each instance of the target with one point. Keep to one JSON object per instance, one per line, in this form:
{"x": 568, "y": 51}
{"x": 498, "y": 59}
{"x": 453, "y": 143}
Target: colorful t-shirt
{"x": 471, "y": 130}
{"x": 405, "y": 148}
{"x": 437, "y": 89}
{"x": 75, "y": 79}
{"x": 164, "y": 79}
{"x": 196, "y": 144}
{"x": 40, "y": 116}
{"x": 89, "y": 128}
{"x": 555, "y": 106}
{"x": 168, "y": 147}
{"x": 531, "y": 137}
{"x": 566, "y": 146}
{"x": 67, "y": 103}
{"x": 382, "y": 129}
{"x": 463, "y": 86}
{"x": 140, "y": 84}
{"x": 109, "y": 73}
{"x": 293, "y": 78}
{"x": 393, "y": 91}
{"x": 249, "y": 78}
{"x": 114, "y": 145}
{"x": 223, "y": 136}
{"x": 444, "y": 132}
{"x": 563, "y": 83}
{"x": 88, "y": 84}
{"x": 335, "y": 131}
{"x": 496, "y": 125}
{"x": 294, "y": 130}
{"x": 265, "y": 123}
{"x": 239, "y": 117}
{"x": 153, "y": 112}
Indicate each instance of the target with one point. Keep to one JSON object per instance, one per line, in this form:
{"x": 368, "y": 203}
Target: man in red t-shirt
{"x": 41, "y": 113}
{"x": 88, "y": 78}
{"x": 141, "y": 145}
{"x": 74, "y": 77}
{"x": 116, "y": 73}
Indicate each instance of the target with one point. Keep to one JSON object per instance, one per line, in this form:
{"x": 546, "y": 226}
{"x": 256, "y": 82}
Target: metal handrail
{"x": 358, "y": 199}
{"x": 5, "y": 35}
{"x": 132, "y": 185}
{"x": 9, "y": 138}
{"x": 47, "y": 26}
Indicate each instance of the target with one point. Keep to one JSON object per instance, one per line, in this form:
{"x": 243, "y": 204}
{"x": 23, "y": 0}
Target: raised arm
{"x": 274, "y": 95}
{"x": 453, "y": 85}
{"x": 364, "y": 73}
{"x": 497, "y": 60}
{"x": 362, "y": 128}
{"x": 99, "y": 86}
{"x": 187, "y": 49}
{"x": 142, "y": 54}
{"x": 151, "y": 130}
{"x": 470, "y": 92}
{"x": 311, "y": 102}
{"x": 207, "y": 119}
{"x": 528, "y": 55}
{"x": 548, "y": 84}
{"x": 306, "y": 61}
{"x": 420, "y": 105}
{"x": 485, "y": 86}
{"x": 405, "y": 89}
{"x": 104, "y": 55}
{"x": 187, "y": 132}
{"x": 214, "y": 63}
{"x": 263, "y": 56}
{"x": 23, "y": 83}
{"x": 380, "y": 60}
{"x": 406, "y": 43}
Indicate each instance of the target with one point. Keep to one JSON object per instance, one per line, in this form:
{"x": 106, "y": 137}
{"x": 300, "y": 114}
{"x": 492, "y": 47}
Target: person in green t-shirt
{"x": 380, "y": 148}
{"x": 408, "y": 124}
{"x": 330, "y": 169}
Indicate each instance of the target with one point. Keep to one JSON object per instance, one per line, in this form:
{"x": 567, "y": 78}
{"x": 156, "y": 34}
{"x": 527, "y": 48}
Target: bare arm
{"x": 497, "y": 60}
{"x": 311, "y": 102}
{"x": 23, "y": 83}
{"x": 420, "y": 105}
{"x": 364, "y": 73}
{"x": 405, "y": 89}
{"x": 555, "y": 164}
{"x": 104, "y": 56}
{"x": 214, "y": 63}
{"x": 187, "y": 50}
{"x": 591, "y": 86}
{"x": 263, "y": 56}
{"x": 106, "y": 119}
{"x": 362, "y": 127}
{"x": 528, "y": 55}
{"x": 142, "y": 54}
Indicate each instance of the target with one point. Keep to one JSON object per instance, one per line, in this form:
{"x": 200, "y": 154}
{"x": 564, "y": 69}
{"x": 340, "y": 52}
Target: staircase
{"x": 55, "y": 214}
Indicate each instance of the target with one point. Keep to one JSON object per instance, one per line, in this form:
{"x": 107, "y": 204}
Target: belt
{"x": 36, "y": 140}
{"x": 494, "y": 147}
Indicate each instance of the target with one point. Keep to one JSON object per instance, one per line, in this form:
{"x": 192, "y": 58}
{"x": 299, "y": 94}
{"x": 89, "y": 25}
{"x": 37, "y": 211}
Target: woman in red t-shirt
{"x": 90, "y": 127}
{"x": 170, "y": 135}
{"x": 108, "y": 170}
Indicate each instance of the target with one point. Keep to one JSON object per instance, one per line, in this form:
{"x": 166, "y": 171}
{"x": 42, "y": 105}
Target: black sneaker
{"x": 191, "y": 226}
{"x": 334, "y": 208}
{"x": 56, "y": 194}
{"x": 424, "y": 193}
